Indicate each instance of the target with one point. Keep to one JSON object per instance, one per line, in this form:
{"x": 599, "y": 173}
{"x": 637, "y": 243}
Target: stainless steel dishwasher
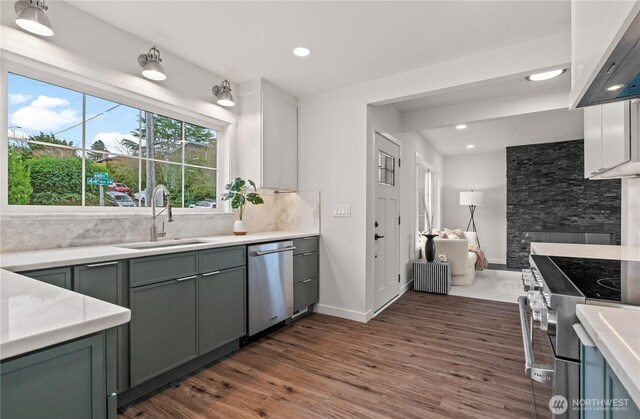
{"x": 270, "y": 284}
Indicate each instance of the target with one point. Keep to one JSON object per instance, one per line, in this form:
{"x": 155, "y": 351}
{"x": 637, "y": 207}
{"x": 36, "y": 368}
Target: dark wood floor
{"x": 425, "y": 356}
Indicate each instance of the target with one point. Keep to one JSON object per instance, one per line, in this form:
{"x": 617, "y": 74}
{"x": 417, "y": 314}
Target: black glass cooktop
{"x": 603, "y": 279}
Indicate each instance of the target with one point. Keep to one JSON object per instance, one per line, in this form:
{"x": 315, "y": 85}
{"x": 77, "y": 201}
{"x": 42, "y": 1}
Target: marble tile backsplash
{"x": 298, "y": 211}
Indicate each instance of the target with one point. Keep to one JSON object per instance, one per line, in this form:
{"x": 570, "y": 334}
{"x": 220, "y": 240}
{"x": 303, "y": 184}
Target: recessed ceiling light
{"x": 547, "y": 75}
{"x": 471, "y": 146}
{"x": 615, "y": 87}
{"x": 461, "y": 126}
{"x": 301, "y": 52}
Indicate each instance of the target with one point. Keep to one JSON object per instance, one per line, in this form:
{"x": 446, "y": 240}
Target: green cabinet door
{"x": 623, "y": 405}
{"x": 105, "y": 282}
{"x": 163, "y": 327}
{"x": 60, "y": 277}
{"x": 64, "y": 381}
{"x": 221, "y": 305}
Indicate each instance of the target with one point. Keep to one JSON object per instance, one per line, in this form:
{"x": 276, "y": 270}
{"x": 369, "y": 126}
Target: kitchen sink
{"x": 162, "y": 244}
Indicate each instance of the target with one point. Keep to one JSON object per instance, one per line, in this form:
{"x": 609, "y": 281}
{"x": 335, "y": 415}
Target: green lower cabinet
{"x": 221, "y": 308}
{"x": 66, "y": 381}
{"x": 624, "y": 407}
{"x": 105, "y": 282}
{"x": 305, "y": 293}
{"x": 60, "y": 277}
{"x": 599, "y": 384}
{"x": 163, "y": 327}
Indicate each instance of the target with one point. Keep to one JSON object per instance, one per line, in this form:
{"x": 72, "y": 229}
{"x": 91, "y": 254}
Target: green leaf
{"x": 254, "y": 198}
{"x": 252, "y": 183}
{"x": 227, "y": 196}
{"x": 237, "y": 201}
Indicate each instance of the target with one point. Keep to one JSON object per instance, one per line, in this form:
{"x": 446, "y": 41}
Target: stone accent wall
{"x": 547, "y": 191}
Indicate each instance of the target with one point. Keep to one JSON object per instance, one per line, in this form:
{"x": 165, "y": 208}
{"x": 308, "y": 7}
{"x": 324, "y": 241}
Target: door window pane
{"x": 386, "y": 169}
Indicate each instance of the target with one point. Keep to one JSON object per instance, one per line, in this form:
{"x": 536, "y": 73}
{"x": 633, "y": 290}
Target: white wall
{"x": 483, "y": 172}
{"x": 335, "y": 140}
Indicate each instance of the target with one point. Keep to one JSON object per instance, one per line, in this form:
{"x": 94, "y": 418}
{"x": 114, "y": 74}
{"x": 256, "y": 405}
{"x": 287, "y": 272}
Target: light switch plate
{"x": 342, "y": 211}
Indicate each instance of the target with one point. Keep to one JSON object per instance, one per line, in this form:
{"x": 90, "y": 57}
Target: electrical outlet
{"x": 342, "y": 211}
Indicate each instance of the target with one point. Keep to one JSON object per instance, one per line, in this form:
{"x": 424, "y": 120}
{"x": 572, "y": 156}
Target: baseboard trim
{"x": 405, "y": 287}
{"x": 341, "y": 312}
{"x": 357, "y": 315}
{"x": 497, "y": 261}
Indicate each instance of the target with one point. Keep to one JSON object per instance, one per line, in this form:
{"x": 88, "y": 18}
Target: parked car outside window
{"x": 119, "y": 199}
{"x": 119, "y": 187}
{"x": 207, "y": 203}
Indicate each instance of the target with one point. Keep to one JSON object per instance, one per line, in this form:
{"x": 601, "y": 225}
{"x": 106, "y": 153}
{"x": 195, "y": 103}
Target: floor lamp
{"x": 472, "y": 199}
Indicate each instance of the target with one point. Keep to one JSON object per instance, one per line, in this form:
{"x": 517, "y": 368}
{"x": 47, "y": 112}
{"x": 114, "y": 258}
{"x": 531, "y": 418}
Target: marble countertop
{"x": 616, "y": 333}
{"x": 36, "y": 315}
{"x": 50, "y": 258}
{"x": 590, "y": 251}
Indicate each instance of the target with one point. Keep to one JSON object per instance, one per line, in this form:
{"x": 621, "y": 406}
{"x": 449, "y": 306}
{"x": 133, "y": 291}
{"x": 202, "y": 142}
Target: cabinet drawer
{"x": 161, "y": 268}
{"x": 224, "y": 258}
{"x": 60, "y": 277}
{"x": 306, "y": 244}
{"x": 305, "y": 266}
{"x": 305, "y": 293}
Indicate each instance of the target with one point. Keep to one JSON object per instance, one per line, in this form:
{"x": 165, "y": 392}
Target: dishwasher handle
{"x": 268, "y": 252}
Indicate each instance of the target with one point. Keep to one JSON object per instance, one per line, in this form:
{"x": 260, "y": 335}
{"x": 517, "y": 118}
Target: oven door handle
{"x": 540, "y": 373}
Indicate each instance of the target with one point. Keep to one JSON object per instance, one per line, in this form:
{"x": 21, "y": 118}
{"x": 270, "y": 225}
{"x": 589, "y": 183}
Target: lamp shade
{"x": 471, "y": 198}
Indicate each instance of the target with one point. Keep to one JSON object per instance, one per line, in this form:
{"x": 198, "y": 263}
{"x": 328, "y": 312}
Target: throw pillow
{"x": 453, "y": 237}
{"x": 458, "y": 232}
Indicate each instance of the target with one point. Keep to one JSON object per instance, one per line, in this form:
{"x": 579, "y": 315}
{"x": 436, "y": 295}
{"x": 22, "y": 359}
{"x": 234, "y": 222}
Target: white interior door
{"x": 386, "y": 216}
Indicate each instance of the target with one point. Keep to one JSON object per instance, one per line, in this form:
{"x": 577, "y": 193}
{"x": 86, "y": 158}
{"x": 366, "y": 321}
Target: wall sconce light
{"x": 32, "y": 17}
{"x": 150, "y": 63}
{"x": 223, "y": 93}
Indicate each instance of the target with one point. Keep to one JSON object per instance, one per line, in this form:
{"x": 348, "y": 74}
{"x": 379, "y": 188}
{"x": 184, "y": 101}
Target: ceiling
{"x": 496, "y": 90}
{"x": 496, "y": 134}
{"x": 503, "y": 113}
{"x": 357, "y": 41}
{"x": 352, "y": 41}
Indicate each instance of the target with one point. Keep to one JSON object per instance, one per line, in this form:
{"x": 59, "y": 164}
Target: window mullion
{"x": 84, "y": 148}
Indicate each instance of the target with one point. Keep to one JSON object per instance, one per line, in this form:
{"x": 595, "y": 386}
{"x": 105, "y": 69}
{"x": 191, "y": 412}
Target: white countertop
{"x": 49, "y": 258}
{"x": 590, "y": 251}
{"x": 616, "y": 333}
{"x": 36, "y": 315}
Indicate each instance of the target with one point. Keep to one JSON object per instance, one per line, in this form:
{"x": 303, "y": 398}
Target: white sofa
{"x": 463, "y": 262}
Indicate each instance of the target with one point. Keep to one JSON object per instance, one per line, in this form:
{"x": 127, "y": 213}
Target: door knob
{"x": 378, "y": 237}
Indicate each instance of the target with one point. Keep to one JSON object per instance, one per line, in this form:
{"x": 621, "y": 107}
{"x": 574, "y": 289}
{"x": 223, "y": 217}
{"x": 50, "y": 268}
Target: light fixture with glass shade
{"x": 150, "y": 63}
{"x": 32, "y": 17}
{"x": 223, "y": 93}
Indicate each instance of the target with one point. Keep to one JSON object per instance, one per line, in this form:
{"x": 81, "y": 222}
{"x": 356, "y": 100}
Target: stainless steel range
{"x": 555, "y": 285}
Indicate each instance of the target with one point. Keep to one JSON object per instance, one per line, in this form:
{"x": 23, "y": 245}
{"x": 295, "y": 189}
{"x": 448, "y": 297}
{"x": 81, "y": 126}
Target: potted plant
{"x": 238, "y": 193}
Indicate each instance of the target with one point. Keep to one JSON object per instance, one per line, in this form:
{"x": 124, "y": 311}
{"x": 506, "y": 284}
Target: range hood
{"x": 622, "y": 68}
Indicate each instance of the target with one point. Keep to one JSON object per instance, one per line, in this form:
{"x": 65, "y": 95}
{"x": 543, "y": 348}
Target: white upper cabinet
{"x": 611, "y": 140}
{"x": 592, "y": 140}
{"x": 596, "y": 28}
{"x": 267, "y": 136}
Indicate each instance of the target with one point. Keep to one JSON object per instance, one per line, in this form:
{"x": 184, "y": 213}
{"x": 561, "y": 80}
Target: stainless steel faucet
{"x": 154, "y": 232}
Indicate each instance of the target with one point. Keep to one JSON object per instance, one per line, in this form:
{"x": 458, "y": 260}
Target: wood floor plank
{"x": 426, "y": 356}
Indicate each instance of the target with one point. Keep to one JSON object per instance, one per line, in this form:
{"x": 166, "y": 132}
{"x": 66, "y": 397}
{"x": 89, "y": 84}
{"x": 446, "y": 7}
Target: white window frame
{"x": 49, "y": 74}
{"x": 432, "y": 192}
